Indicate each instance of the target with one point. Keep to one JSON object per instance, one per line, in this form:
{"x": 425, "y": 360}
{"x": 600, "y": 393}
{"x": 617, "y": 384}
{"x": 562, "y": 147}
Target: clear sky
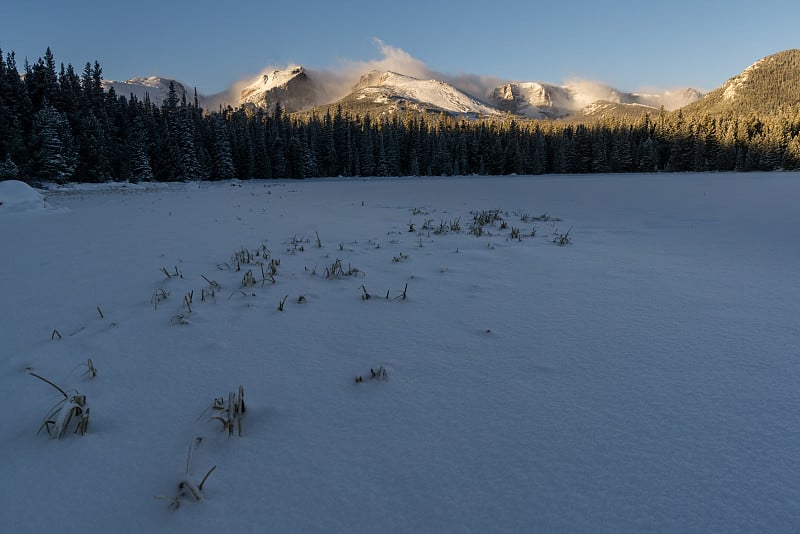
{"x": 210, "y": 45}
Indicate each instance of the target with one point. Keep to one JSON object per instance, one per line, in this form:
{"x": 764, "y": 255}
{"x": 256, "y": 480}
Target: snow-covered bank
{"x": 643, "y": 377}
{"x": 17, "y": 197}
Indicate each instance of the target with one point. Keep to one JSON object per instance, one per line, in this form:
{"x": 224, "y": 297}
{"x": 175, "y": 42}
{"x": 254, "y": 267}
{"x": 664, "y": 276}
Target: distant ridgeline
{"x": 57, "y": 125}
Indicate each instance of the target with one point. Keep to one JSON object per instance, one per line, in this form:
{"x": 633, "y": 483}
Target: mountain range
{"x": 378, "y": 92}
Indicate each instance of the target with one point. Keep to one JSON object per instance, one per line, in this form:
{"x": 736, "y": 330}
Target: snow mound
{"x": 16, "y": 196}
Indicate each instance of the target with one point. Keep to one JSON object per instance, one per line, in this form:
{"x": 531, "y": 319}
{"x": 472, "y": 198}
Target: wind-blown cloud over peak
{"x": 333, "y": 83}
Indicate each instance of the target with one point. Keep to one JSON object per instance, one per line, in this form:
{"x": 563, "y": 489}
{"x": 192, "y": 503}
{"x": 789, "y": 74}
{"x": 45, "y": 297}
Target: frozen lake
{"x": 643, "y": 377}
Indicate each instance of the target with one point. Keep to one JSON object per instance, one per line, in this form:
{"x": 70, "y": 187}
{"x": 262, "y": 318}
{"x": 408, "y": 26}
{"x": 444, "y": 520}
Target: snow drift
{"x": 16, "y": 196}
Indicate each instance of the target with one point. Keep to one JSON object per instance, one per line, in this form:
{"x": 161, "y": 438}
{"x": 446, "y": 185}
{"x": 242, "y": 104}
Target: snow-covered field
{"x": 644, "y": 377}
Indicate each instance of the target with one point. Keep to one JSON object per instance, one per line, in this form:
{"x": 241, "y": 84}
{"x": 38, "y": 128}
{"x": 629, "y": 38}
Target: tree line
{"x": 58, "y": 125}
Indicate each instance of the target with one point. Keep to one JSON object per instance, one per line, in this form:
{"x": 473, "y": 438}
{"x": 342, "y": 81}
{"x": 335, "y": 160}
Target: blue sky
{"x": 210, "y": 45}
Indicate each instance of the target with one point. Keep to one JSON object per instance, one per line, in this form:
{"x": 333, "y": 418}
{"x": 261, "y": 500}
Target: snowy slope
{"x": 384, "y": 87}
{"x": 735, "y": 84}
{"x": 641, "y": 379}
{"x": 540, "y": 100}
{"x": 534, "y": 100}
{"x": 19, "y": 197}
{"x": 292, "y": 87}
{"x": 155, "y": 87}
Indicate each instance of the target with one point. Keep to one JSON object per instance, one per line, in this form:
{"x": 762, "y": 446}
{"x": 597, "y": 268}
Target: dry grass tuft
{"x": 336, "y": 271}
{"x": 72, "y": 408}
{"x": 174, "y": 274}
{"x": 91, "y": 370}
{"x": 379, "y": 375}
{"x": 230, "y": 414}
{"x": 186, "y": 488}
{"x": 563, "y": 239}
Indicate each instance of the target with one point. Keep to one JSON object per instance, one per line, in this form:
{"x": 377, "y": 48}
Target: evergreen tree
{"x": 579, "y": 154}
{"x": 93, "y": 164}
{"x": 366, "y": 149}
{"x": 539, "y": 154}
{"x": 600, "y": 160}
{"x": 14, "y": 111}
{"x": 181, "y": 149}
{"x": 262, "y": 164}
{"x": 8, "y": 169}
{"x": 648, "y": 159}
{"x": 792, "y": 155}
{"x": 41, "y": 81}
{"x": 621, "y": 153}
{"x": 51, "y": 146}
{"x": 280, "y": 168}
{"x": 141, "y": 170}
{"x": 221, "y": 153}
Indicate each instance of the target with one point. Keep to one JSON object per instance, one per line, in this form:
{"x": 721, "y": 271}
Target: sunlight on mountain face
{"x": 298, "y": 88}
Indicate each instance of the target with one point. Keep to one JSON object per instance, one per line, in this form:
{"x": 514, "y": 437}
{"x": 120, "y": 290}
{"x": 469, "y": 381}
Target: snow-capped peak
{"x": 155, "y": 88}
{"x": 382, "y": 87}
{"x": 540, "y": 100}
{"x": 277, "y": 78}
{"x": 150, "y": 81}
{"x": 291, "y": 86}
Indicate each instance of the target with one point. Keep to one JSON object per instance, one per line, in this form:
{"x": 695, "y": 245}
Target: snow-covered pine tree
{"x": 139, "y": 159}
{"x": 8, "y": 169}
{"x": 54, "y": 155}
{"x": 221, "y": 153}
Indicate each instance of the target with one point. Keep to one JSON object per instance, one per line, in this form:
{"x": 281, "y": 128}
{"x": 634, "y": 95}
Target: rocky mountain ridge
{"x": 297, "y": 89}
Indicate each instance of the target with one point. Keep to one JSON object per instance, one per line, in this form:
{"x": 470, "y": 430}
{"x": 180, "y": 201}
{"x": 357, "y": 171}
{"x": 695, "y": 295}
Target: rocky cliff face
{"x": 293, "y": 88}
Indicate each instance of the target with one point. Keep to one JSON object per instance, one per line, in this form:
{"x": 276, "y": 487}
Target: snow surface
{"x": 642, "y": 378}
{"x": 19, "y": 197}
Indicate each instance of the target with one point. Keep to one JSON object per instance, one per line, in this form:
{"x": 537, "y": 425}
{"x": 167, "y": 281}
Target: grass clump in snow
{"x": 282, "y": 303}
{"x": 179, "y": 319}
{"x": 297, "y": 244}
{"x": 174, "y": 274}
{"x": 213, "y": 285}
{"x": 365, "y": 295}
{"x": 336, "y": 270}
{"x": 71, "y": 409}
{"x": 380, "y": 375}
{"x": 562, "y": 239}
{"x": 244, "y": 256}
{"x": 186, "y": 488}
{"x": 402, "y": 295}
{"x": 248, "y": 280}
{"x": 159, "y": 295}
{"x": 484, "y": 218}
{"x": 187, "y": 300}
{"x": 230, "y": 413}
{"x": 91, "y": 370}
